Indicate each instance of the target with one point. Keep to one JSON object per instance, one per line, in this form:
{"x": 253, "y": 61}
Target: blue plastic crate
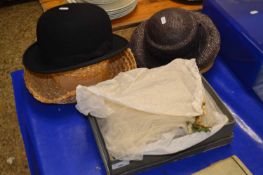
{"x": 240, "y": 23}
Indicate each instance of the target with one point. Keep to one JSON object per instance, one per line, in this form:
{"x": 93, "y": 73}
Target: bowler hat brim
{"x": 205, "y": 53}
{"x": 33, "y": 60}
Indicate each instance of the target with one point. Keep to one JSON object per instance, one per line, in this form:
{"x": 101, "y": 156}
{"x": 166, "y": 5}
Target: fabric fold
{"x": 152, "y": 111}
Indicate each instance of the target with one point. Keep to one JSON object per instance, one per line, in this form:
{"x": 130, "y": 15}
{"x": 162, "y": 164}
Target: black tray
{"x": 117, "y": 167}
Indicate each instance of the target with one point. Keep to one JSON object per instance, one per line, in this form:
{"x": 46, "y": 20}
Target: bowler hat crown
{"x": 72, "y": 36}
{"x": 63, "y": 32}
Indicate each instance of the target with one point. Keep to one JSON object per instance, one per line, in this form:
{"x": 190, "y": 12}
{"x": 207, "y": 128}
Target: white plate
{"x": 123, "y": 9}
{"x": 99, "y": 2}
{"x": 117, "y": 5}
{"x": 119, "y": 15}
{"x": 112, "y": 7}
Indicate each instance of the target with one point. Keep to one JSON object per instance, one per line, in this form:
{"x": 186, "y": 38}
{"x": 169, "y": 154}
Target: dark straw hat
{"x": 72, "y": 36}
{"x": 175, "y": 33}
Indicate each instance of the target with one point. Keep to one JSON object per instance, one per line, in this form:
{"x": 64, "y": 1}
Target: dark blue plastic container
{"x": 240, "y": 23}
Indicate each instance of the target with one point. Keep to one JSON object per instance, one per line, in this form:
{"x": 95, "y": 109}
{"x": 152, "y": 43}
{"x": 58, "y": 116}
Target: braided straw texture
{"x": 60, "y": 88}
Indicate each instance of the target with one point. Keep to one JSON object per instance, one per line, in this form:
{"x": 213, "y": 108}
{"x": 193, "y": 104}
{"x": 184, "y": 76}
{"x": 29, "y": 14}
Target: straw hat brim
{"x": 207, "y": 50}
{"x": 59, "y": 88}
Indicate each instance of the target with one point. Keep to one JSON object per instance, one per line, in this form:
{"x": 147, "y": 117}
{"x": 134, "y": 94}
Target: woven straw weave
{"x": 60, "y": 87}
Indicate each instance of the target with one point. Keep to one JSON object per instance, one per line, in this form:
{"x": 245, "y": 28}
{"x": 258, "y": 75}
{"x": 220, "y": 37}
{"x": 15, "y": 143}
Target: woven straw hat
{"x": 60, "y": 87}
{"x": 176, "y": 33}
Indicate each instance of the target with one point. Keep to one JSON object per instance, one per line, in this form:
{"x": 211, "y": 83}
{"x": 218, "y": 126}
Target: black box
{"x": 117, "y": 167}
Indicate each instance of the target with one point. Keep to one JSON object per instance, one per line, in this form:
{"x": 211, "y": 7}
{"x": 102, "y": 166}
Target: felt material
{"x": 72, "y": 36}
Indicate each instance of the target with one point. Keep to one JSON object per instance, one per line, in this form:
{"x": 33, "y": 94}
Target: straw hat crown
{"x": 171, "y": 32}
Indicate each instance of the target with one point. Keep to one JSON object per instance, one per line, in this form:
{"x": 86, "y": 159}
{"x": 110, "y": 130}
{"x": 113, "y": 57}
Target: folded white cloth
{"x": 175, "y": 89}
{"x": 146, "y": 111}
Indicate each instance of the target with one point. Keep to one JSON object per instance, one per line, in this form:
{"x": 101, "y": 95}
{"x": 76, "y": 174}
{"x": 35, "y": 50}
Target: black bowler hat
{"x": 72, "y": 36}
{"x": 176, "y": 33}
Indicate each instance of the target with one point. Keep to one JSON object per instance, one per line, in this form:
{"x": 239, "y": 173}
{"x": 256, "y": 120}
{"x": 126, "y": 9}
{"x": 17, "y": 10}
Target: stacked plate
{"x": 115, "y": 8}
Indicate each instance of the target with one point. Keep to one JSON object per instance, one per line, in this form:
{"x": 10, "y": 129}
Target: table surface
{"x": 59, "y": 140}
{"x": 144, "y": 10}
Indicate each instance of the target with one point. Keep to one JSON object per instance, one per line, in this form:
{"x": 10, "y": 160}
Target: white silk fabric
{"x": 146, "y": 111}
